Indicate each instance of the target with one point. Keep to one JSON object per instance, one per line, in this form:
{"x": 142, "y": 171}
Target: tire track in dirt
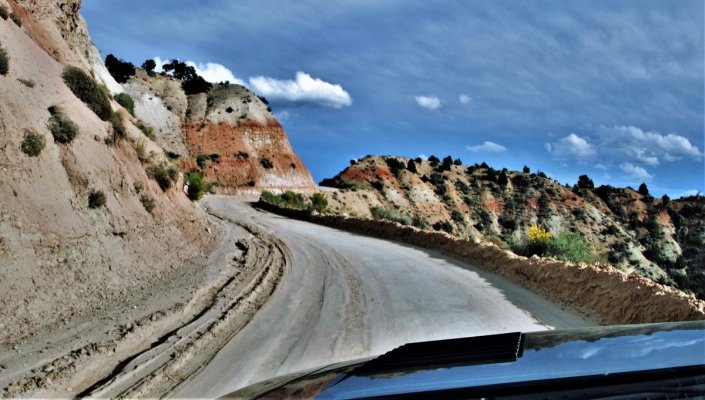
{"x": 152, "y": 356}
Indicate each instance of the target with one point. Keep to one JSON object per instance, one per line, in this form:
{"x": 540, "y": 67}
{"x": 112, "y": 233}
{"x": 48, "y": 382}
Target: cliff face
{"x": 228, "y": 133}
{"x": 662, "y": 240}
{"x": 59, "y": 257}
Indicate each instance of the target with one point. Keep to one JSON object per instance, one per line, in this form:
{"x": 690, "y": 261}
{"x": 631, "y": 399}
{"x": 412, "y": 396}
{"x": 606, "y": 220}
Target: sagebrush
{"x": 88, "y": 91}
{"x": 4, "y": 62}
{"x": 119, "y": 130}
{"x": 16, "y": 19}
{"x": 62, "y": 128}
{"x": 126, "y": 101}
{"x": 33, "y": 143}
{"x": 96, "y": 199}
{"x": 147, "y": 202}
{"x": 197, "y": 185}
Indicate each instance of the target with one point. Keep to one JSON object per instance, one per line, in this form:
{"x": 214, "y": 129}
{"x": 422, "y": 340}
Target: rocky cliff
{"x": 228, "y": 133}
{"x": 637, "y": 233}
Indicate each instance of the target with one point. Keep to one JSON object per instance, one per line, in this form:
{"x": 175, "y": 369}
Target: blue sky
{"x": 612, "y": 89}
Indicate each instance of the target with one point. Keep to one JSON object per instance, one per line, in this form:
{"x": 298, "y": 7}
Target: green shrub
{"x": 62, "y": 128}
{"x": 456, "y": 216}
{"x": 33, "y": 143}
{"x": 119, "y": 131}
{"x": 382, "y": 213}
{"x": 4, "y": 12}
{"x": 266, "y": 163}
{"x": 566, "y": 246}
{"x": 163, "y": 175}
{"x": 287, "y": 199}
{"x": 146, "y": 129}
{"x": 147, "y": 202}
{"x": 269, "y": 197}
{"x": 570, "y": 246}
{"x": 202, "y": 161}
{"x": 418, "y": 222}
{"x": 126, "y": 101}
{"x": 496, "y": 240}
{"x": 16, "y": 19}
{"x": 443, "y": 226}
{"x": 96, "y": 199}
{"x": 140, "y": 147}
{"x": 197, "y": 185}
{"x": 318, "y": 202}
{"x": 27, "y": 82}
{"x": 293, "y": 200}
{"x": 138, "y": 186}
{"x": 4, "y": 62}
{"x": 88, "y": 91}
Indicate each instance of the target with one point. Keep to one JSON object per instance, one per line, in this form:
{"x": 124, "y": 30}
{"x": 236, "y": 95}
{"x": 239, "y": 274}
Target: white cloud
{"x": 211, "y": 72}
{"x": 214, "y": 73}
{"x": 430, "y": 102}
{"x": 635, "y": 171}
{"x": 304, "y": 89}
{"x": 486, "y": 147}
{"x": 464, "y": 99}
{"x": 646, "y": 147}
{"x": 423, "y": 156}
{"x": 571, "y": 146}
{"x": 160, "y": 63}
{"x": 601, "y": 166}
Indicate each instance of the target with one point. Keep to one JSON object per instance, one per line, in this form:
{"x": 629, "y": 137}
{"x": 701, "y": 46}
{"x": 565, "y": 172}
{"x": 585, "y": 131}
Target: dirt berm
{"x": 597, "y": 290}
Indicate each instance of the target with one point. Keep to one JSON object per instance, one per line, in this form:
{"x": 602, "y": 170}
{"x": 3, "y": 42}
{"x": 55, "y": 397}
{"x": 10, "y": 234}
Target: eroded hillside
{"x": 656, "y": 238}
{"x": 82, "y": 221}
{"x": 228, "y": 133}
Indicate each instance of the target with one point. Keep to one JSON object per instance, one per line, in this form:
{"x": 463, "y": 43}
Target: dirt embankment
{"x": 597, "y": 290}
{"x": 151, "y": 356}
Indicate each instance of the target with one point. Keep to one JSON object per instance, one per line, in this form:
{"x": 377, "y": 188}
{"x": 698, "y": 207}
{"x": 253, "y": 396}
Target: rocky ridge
{"x": 637, "y": 233}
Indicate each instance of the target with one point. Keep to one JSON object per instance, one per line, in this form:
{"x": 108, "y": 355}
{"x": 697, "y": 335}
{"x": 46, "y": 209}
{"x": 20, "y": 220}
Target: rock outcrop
{"x": 228, "y": 133}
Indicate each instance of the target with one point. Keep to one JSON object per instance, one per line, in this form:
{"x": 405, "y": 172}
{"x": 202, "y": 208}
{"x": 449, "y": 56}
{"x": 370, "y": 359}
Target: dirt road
{"x": 348, "y": 296}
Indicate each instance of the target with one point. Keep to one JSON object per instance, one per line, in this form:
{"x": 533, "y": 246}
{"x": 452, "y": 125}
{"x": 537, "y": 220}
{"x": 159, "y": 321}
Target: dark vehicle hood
{"x": 608, "y": 356}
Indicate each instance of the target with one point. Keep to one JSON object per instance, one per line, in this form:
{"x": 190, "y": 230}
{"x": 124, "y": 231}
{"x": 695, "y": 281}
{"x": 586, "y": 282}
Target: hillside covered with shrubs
{"x": 530, "y": 213}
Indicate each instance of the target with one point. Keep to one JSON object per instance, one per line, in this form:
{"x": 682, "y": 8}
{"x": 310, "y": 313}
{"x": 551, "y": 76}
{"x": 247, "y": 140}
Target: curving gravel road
{"x": 349, "y": 296}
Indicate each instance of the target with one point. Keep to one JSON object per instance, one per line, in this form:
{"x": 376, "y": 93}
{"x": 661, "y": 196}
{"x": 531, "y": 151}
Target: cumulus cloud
{"x": 486, "y": 147}
{"x": 430, "y": 102}
{"x": 423, "y": 156}
{"x": 634, "y": 171}
{"x": 303, "y": 90}
{"x": 646, "y": 147}
{"x": 211, "y": 72}
{"x": 571, "y": 146}
{"x": 214, "y": 73}
{"x": 160, "y": 63}
{"x": 464, "y": 99}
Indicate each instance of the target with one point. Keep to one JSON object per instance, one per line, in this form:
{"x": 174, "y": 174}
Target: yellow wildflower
{"x": 538, "y": 235}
